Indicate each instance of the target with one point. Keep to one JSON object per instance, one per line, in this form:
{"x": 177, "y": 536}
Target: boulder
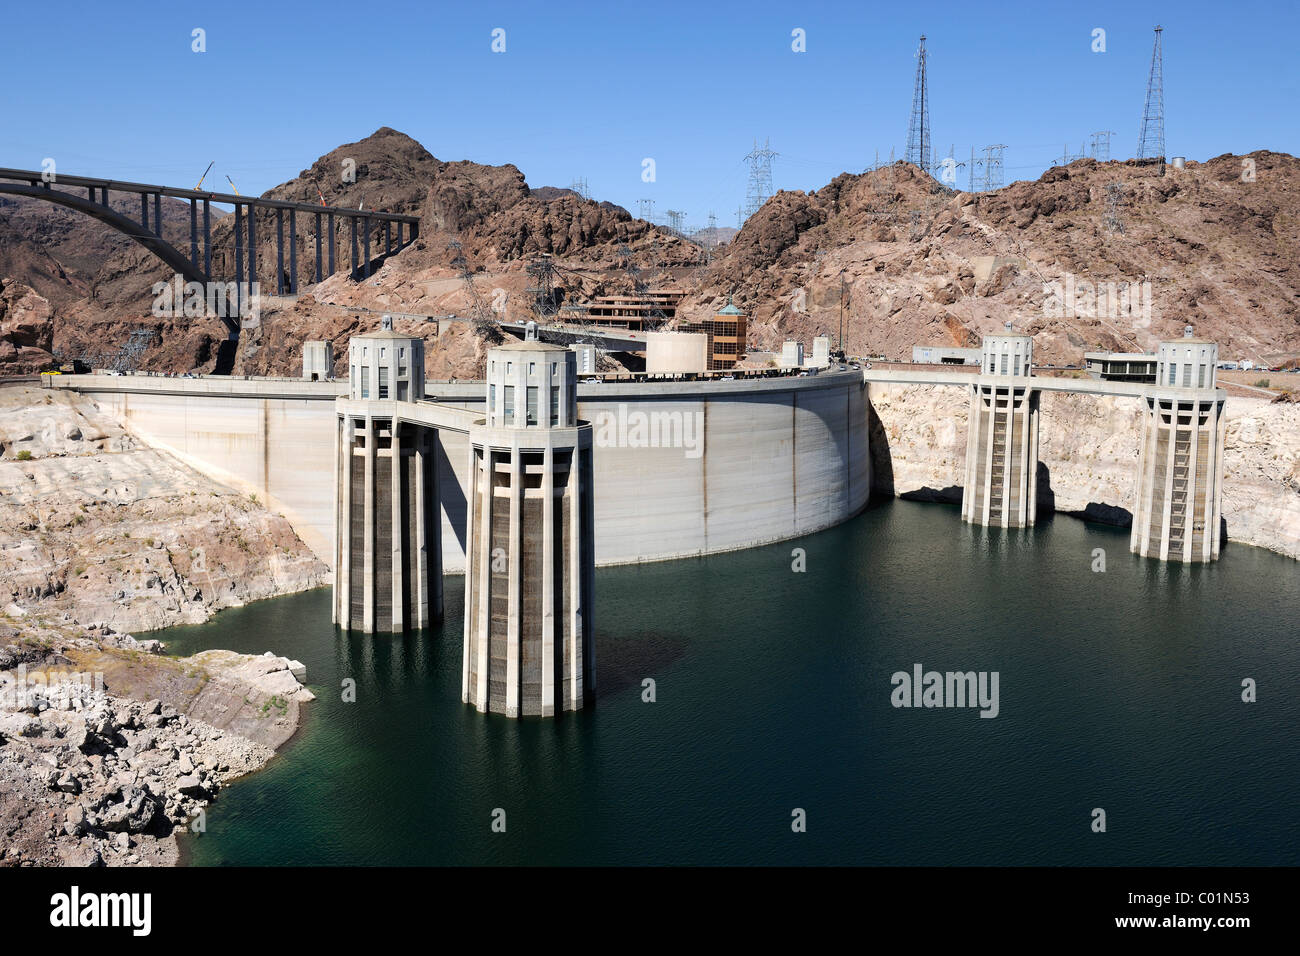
{"x": 133, "y": 814}
{"x": 20, "y": 725}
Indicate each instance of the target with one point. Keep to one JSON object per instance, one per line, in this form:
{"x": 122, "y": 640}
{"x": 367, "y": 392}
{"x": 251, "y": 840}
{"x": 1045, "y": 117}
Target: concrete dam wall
{"x": 681, "y": 469}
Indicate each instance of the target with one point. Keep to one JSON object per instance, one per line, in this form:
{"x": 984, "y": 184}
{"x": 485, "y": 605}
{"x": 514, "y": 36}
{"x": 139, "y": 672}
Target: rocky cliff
{"x": 98, "y": 527}
{"x": 109, "y": 750}
{"x": 1088, "y": 449}
{"x": 916, "y": 263}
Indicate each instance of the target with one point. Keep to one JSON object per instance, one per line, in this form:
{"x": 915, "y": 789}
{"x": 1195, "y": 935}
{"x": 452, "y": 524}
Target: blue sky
{"x": 590, "y": 90}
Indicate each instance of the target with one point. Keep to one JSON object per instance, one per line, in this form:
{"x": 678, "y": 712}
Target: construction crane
{"x": 232, "y": 185}
{"x": 199, "y": 184}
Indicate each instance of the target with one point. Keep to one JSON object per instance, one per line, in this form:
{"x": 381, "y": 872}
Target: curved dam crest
{"x": 779, "y": 458}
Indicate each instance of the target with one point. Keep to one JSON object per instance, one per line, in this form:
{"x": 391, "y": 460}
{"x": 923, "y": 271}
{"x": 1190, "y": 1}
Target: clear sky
{"x": 592, "y": 89}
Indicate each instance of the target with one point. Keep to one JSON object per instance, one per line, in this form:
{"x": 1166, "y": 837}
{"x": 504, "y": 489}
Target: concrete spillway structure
{"x": 530, "y": 539}
{"x": 1176, "y": 514}
{"x": 1001, "y": 483}
{"x": 388, "y": 546}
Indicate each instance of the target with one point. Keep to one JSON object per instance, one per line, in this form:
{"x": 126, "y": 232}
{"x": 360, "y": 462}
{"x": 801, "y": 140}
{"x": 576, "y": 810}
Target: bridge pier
{"x": 252, "y": 248}
{"x": 1001, "y": 480}
{"x": 194, "y": 234}
{"x": 279, "y": 251}
{"x": 352, "y": 221}
{"x": 239, "y": 253}
{"x": 366, "y": 240}
{"x": 293, "y": 252}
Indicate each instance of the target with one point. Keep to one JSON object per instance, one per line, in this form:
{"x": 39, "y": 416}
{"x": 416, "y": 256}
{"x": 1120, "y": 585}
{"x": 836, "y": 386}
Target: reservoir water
{"x": 1120, "y": 690}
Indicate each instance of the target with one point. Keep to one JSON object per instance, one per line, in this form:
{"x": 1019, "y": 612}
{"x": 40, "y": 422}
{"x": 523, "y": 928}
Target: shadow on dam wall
{"x": 1095, "y": 511}
{"x": 882, "y": 460}
{"x": 882, "y": 469}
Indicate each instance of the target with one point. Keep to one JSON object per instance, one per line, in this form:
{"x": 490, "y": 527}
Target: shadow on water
{"x": 625, "y": 660}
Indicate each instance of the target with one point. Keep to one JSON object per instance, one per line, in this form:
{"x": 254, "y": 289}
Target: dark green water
{"x": 1119, "y": 690}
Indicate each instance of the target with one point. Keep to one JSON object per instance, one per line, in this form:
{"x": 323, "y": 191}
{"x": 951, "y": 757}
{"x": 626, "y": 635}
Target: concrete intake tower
{"x": 1176, "y": 516}
{"x": 388, "y": 545}
{"x": 530, "y": 556}
{"x": 1002, "y": 436}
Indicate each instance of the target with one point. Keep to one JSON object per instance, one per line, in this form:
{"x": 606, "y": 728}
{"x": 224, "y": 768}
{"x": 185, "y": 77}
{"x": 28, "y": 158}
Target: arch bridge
{"x": 90, "y": 195}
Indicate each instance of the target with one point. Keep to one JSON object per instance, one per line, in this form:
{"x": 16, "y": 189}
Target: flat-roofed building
{"x": 821, "y": 353}
{"x": 944, "y": 355}
{"x": 586, "y": 354}
{"x": 792, "y": 354}
{"x": 1121, "y": 366}
{"x": 728, "y": 333}
{"x": 317, "y": 361}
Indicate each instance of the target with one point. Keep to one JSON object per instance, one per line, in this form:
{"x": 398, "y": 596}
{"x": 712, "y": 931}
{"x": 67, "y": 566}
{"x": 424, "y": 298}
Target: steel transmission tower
{"x": 993, "y": 166}
{"x": 918, "y": 130}
{"x": 1114, "y": 197}
{"x": 1101, "y": 145}
{"x": 1151, "y": 141}
{"x": 760, "y": 177}
{"x": 647, "y": 207}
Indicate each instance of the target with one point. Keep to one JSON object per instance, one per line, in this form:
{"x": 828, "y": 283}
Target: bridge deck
{"x": 611, "y": 339}
{"x": 36, "y": 178}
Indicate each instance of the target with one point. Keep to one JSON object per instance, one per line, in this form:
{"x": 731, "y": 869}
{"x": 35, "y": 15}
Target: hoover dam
{"x": 773, "y": 458}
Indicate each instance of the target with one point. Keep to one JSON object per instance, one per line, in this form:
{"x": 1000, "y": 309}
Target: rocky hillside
{"x": 913, "y": 262}
{"x": 97, "y": 527}
{"x": 499, "y": 223}
{"x": 924, "y": 265}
